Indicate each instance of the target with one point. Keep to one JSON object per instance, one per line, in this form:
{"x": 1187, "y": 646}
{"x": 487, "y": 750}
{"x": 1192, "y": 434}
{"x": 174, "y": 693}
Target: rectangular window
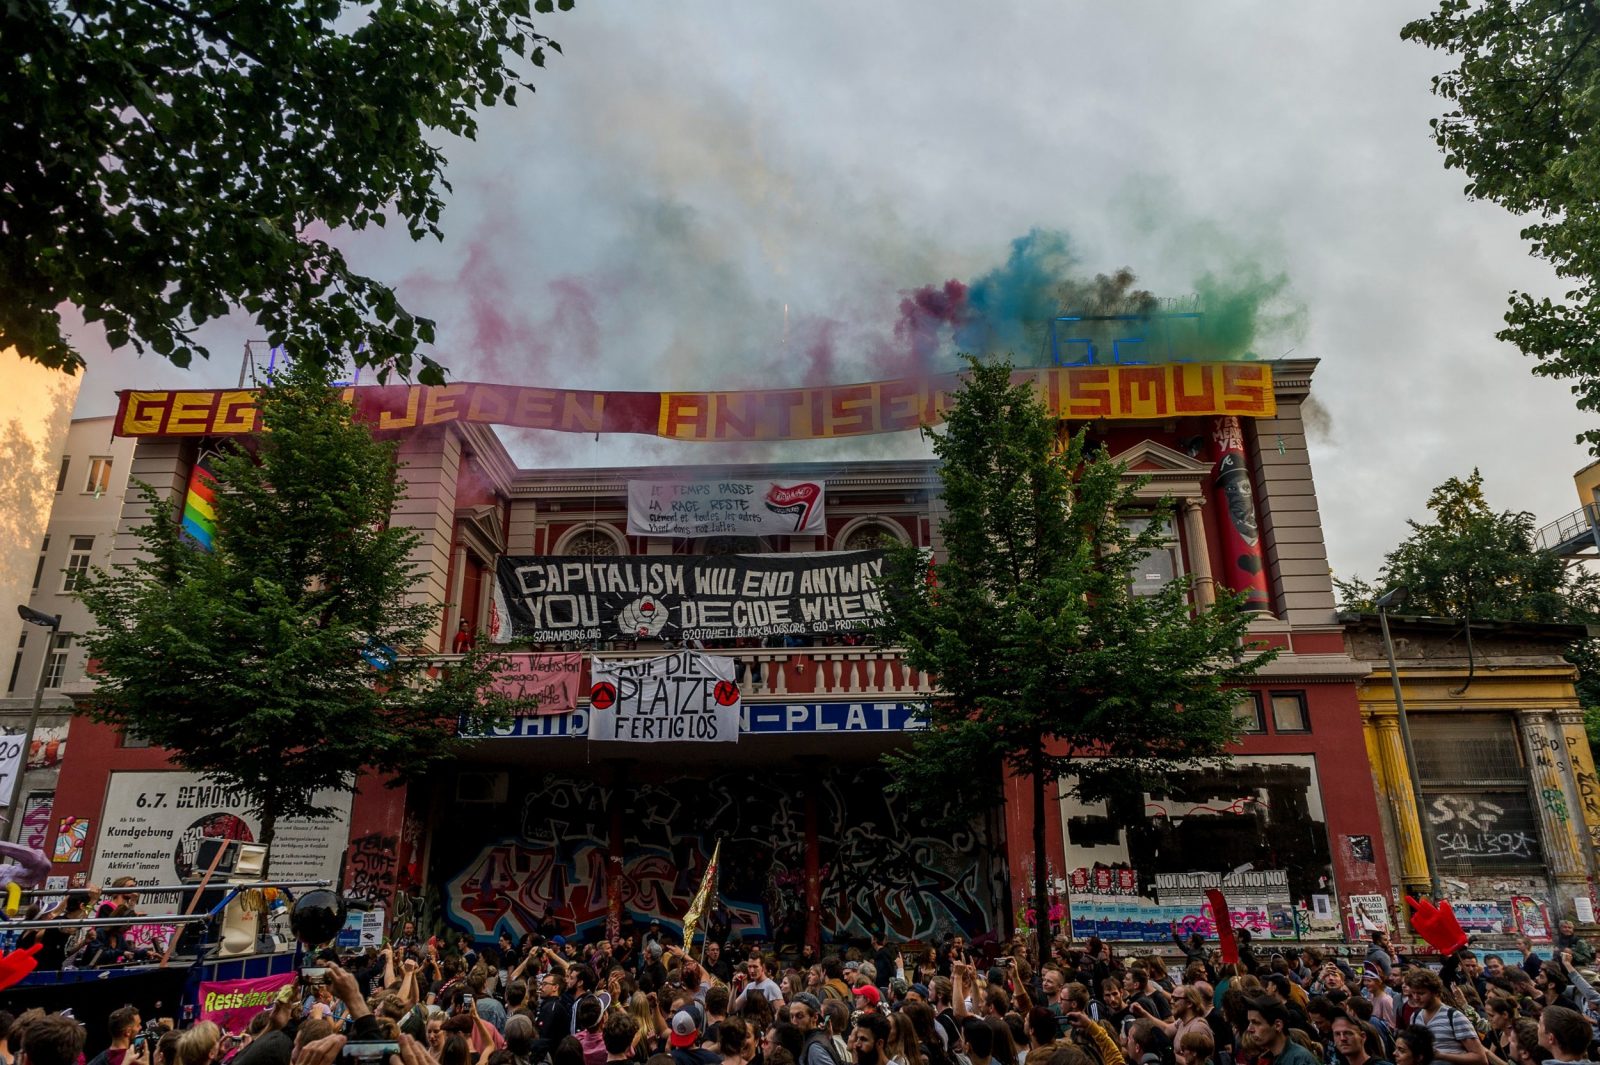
{"x": 16, "y": 663}
{"x": 38, "y": 571}
{"x": 1289, "y": 712}
{"x": 99, "y": 476}
{"x": 1157, "y": 567}
{"x": 56, "y": 671}
{"x": 1247, "y": 712}
{"x": 77, "y": 562}
{"x": 1475, "y": 791}
{"x": 61, "y": 478}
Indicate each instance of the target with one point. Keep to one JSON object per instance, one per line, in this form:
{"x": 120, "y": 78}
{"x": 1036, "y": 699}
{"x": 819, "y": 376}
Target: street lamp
{"x": 53, "y": 623}
{"x": 1392, "y": 598}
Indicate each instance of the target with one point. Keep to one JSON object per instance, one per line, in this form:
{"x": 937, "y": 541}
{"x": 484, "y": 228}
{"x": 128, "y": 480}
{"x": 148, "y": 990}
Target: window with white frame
{"x": 77, "y": 562}
{"x": 99, "y": 476}
{"x": 56, "y": 669}
{"x": 1159, "y": 566}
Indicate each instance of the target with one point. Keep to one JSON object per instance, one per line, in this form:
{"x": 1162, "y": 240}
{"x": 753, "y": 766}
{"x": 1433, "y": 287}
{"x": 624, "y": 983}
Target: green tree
{"x": 277, "y": 663}
{"x": 1471, "y": 562}
{"x": 167, "y": 161}
{"x": 1522, "y": 127}
{"x": 1047, "y": 662}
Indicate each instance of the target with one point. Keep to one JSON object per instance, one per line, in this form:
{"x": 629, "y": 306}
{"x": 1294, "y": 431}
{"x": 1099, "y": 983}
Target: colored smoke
{"x": 1008, "y": 310}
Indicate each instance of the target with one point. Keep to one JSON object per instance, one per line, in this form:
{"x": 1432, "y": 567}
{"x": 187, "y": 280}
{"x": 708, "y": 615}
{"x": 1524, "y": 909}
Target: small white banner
{"x": 10, "y": 762}
{"x": 683, "y": 697}
{"x": 725, "y": 508}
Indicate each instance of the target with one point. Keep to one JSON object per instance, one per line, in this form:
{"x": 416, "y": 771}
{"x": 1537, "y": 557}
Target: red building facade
{"x": 538, "y": 817}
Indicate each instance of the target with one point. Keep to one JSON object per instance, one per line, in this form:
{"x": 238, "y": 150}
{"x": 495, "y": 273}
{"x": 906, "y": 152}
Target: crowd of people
{"x": 644, "y": 1000}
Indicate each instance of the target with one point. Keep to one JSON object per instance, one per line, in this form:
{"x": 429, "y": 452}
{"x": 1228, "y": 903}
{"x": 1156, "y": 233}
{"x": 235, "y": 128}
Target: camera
{"x": 312, "y": 975}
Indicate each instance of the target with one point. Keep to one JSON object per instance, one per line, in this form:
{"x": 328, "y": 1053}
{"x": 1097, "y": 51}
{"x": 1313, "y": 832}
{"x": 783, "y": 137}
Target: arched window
{"x": 870, "y": 535}
{"x": 730, "y": 545}
{"x": 590, "y": 540}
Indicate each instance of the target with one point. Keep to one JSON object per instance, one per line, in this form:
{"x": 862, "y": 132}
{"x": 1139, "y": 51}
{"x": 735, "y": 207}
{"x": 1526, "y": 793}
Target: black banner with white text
{"x": 701, "y": 597}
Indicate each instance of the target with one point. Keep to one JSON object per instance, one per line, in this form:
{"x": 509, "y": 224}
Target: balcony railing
{"x": 771, "y": 674}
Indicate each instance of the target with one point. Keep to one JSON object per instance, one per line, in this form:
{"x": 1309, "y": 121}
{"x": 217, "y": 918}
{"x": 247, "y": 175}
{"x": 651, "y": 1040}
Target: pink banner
{"x": 541, "y": 683}
{"x": 231, "y": 1003}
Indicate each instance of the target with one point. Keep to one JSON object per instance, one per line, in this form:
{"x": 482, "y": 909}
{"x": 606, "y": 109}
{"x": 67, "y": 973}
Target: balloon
{"x": 317, "y": 917}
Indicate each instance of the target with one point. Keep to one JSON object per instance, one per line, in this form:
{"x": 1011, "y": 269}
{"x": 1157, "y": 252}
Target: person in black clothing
{"x": 885, "y": 959}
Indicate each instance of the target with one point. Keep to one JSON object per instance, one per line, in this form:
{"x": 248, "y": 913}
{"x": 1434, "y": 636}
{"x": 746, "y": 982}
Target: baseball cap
{"x": 922, "y": 989}
{"x": 808, "y": 1000}
{"x": 852, "y": 966}
{"x": 870, "y": 993}
{"x": 685, "y": 1027}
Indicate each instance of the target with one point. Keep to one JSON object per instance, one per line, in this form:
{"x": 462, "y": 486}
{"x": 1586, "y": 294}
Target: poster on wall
{"x": 155, "y": 822}
{"x": 726, "y": 508}
{"x": 49, "y": 746}
{"x": 1254, "y": 829}
{"x": 561, "y": 598}
{"x": 541, "y": 683}
{"x": 36, "y": 818}
{"x": 680, "y": 697}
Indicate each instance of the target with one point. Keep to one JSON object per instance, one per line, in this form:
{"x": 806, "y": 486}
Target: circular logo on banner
{"x": 603, "y": 695}
{"x": 643, "y": 617}
{"x": 726, "y": 693}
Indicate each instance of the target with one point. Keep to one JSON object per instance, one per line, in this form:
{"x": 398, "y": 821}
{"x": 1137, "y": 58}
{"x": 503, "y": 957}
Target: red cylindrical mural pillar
{"x": 614, "y": 857}
{"x": 1243, "y": 569}
{"x": 813, "y": 874}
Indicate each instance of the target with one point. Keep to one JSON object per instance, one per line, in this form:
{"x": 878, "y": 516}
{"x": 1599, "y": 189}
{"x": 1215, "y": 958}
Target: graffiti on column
{"x": 1588, "y": 787}
{"x": 877, "y": 870}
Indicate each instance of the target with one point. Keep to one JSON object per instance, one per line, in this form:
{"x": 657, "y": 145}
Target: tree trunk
{"x": 269, "y": 829}
{"x": 1043, "y": 933}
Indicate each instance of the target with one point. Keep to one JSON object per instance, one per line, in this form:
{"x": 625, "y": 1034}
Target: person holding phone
{"x": 127, "y": 1046}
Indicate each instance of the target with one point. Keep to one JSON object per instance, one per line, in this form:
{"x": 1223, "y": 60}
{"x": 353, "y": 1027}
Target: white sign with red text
{"x": 726, "y": 508}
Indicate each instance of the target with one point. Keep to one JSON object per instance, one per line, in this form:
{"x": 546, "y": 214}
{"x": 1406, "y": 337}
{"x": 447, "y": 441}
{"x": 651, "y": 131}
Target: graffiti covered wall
{"x": 548, "y": 846}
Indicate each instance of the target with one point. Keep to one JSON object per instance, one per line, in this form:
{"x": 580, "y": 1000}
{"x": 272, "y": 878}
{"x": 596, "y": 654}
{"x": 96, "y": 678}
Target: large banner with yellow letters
{"x": 1080, "y": 393}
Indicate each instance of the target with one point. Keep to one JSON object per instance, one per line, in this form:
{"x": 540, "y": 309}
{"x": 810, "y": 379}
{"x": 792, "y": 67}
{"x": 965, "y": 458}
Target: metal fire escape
{"x": 1574, "y": 538}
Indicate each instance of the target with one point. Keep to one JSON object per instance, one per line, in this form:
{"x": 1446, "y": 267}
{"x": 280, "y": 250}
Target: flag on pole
{"x": 702, "y": 898}
{"x": 199, "y": 514}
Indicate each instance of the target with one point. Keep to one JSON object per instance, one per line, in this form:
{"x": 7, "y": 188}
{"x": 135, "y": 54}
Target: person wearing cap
{"x": 867, "y": 996}
{"x": 899, "y": 988}
{"x": 816, "y": 1047}
{"x": 837, "y": 984}
{"x": 683, "y": 1037}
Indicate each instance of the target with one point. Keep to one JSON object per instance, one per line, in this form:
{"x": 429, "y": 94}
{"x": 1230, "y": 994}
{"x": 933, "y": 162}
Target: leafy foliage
{"x": 166, "y": 161}
{"x": 250, "y": 663}
{"x": 1470, "y": 562}
{"x": 1522, "y": 127}
{"x": 1047, "y": 660}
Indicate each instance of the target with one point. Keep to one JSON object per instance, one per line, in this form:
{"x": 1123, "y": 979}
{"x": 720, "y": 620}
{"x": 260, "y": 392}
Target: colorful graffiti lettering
{"x": 878, "y": 872}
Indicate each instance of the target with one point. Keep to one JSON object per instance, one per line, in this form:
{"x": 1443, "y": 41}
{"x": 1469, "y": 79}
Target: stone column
{"x": 1583, "y": 784}
{"x": 1547, "y": 762}
{"x": 1194, "y": 538}
{"x": 1395, "y": 783}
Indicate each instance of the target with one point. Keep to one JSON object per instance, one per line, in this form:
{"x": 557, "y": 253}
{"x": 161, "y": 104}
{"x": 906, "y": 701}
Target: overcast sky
{"x": 688, "y": 169}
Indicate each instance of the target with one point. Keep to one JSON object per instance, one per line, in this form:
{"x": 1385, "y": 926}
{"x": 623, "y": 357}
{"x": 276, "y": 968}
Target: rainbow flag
{"x": 199, "y": 505}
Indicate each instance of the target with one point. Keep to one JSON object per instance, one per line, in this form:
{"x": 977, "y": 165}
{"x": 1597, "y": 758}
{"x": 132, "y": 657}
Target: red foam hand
{"x": 17, "y": 964}
{"x": 1437, "y": 925}
{"x": 1224, "y": 921}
